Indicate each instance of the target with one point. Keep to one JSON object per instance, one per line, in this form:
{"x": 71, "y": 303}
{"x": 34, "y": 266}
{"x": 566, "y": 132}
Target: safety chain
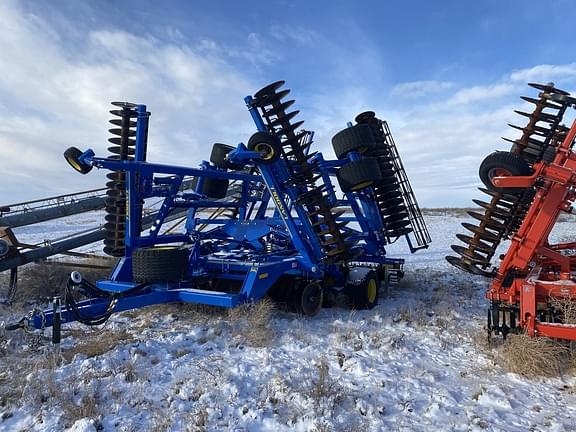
{"x": 34, "y": 340}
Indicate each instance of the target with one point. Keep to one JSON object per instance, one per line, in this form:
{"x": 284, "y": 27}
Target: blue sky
{"x": 446, "y": 75}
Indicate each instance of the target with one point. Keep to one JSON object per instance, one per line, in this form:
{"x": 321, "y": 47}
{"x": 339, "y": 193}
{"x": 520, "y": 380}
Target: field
{"x": 419, "y": 361}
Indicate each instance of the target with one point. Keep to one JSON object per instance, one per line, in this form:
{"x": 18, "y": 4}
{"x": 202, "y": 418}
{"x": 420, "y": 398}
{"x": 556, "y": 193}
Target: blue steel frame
{"x": 256, "y": 269}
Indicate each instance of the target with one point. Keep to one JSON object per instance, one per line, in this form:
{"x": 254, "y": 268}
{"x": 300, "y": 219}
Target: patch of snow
{"x": 412, "y": 363}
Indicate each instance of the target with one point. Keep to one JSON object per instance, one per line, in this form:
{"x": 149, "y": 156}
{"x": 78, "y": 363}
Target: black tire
{"x": 311, "y": 299}
{"x": 159, "y": 264}
{"x": 219, "y": 154}
{"x": 357, "y": 138}
{"x": 549, "y": 154}
{"x": 268, "y": 145}
{"x": 503, "y": 163}
{"x": 71, "y": 155}
{"x": 282, "y": 290}
{"x": 212, "y": 188}
{"x": 365, "y": 117}
{"x": 358, "y": 175}
{"x": 215, "y": 188}
{"x": 4, "y": 248}
{"x": 364, "y": 293}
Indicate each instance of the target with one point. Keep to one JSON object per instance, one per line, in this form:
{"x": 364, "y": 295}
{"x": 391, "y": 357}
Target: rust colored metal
{"x": 503, "y": 214}
{"x": 535, "y": 272}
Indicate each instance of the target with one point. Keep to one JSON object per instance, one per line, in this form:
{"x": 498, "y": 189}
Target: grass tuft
{"x": 251, "y": 322}
{"x": 567, "y": 308}
{"x": 535, "y": 356}
{"x": 99, "y": 344}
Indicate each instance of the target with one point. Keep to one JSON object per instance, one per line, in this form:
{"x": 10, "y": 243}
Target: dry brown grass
{"x": 251, "y": 322}
{"x": 12, "y": 385}
{"x": 87, "y": 407}
{"x": 534, "y": 356}
{"x": 160, "y": 422}
{"x": 199, "y": 419}
{"x": 566, "y": 306}
{"x": 324, "y": 386}
{"x": 41, "y": 281}
{"x": 98, "y": 344}
{"x": 35, "y": 381}
{"x": 324, "y": 390}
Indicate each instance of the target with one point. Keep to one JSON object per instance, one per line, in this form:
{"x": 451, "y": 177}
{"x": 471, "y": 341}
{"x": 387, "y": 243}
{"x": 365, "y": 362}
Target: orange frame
{"x": 547, "y": 270}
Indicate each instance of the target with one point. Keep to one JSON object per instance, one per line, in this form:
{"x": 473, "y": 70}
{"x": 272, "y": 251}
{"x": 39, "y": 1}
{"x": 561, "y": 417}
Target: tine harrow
{"x": 503, "y": 213}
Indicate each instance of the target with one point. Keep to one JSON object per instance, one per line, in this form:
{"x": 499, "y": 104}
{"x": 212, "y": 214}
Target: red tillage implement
{"x": 535, "y": 284}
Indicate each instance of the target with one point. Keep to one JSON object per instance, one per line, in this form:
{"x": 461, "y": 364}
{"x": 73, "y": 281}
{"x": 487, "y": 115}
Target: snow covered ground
{"x": 416, "y": 362}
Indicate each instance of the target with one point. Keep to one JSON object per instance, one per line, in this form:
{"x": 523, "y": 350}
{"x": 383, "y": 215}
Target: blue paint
{"x": 253, "y": 250}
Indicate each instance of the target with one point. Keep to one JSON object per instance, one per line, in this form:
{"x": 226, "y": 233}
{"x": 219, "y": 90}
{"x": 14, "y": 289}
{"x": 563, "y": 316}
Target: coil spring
{"x": 504, "y": 212}
{"x": 122, "y": 149}
{"x": 388, "y": 192}
{"x": 295, "y": 146}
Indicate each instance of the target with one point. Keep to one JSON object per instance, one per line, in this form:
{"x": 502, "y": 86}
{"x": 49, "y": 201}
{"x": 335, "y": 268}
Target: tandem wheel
{"x": 363, "y": 287}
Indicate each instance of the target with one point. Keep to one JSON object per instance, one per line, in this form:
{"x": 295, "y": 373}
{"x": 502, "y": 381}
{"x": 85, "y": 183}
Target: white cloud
{"x": 441, "y": 141}
{"x": 287, "y": 33}
{"x": 420, "y": 88}
{"x": 482, "y": 93}
{"x": 54, "y": 97}
{"x": 545, "y": 73}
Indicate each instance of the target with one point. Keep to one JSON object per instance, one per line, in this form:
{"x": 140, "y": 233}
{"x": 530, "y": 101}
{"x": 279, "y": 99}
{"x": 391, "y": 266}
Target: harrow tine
{"x": 530, "y": 100}
{"x": 484, "y": 235}
{"x": 513, "y": 199}
{"x": 468, "y": 267}
{"x": 489, "y": 214}
{"x": 505, "y": 212}
{"x": 281, "y": 119}
{"x": 476, "y": 243}
{"x": 269, "y": 89}
{"x": 548, "y": 88}
{"x": 271, "y": 98}
{"x": 545, "y": 103}
{"x": 493, "y": 208}
{"x": 471, "y": 255}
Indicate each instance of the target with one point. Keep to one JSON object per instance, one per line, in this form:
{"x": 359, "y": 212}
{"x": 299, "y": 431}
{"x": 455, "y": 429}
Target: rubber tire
{"x": 549, "y": 154}
{"x": 71, "y": 155}
{"x": 358, "y": 175}
{"x": 159, "y": 264}
{"x": 218, "y": 157}
{"x": 4, "y": 248}
{"x": 212, "y": 188}
{"x": 311, "y": 299}
{"x": 514, "y": 164}
{"x": 215, "y": 188}
{"x": 270, "y": 141}
{"x": 357, "y": 138}
{"x": 365, "y": 295}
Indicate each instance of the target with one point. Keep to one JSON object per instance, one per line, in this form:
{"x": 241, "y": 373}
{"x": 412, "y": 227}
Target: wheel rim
{"x": 372, "y": 291}
{"x": 266, "y": 150}
{"x": 74, "y": 164}
{"x": 311, "y": 301}
{"x": 498, "y": 172}
{"x": 362, "y": 185}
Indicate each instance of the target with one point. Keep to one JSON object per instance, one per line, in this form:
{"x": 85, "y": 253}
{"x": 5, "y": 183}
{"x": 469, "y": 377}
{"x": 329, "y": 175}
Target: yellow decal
{"x": 263, "y": 276}
{"x": 279, "y": 204}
